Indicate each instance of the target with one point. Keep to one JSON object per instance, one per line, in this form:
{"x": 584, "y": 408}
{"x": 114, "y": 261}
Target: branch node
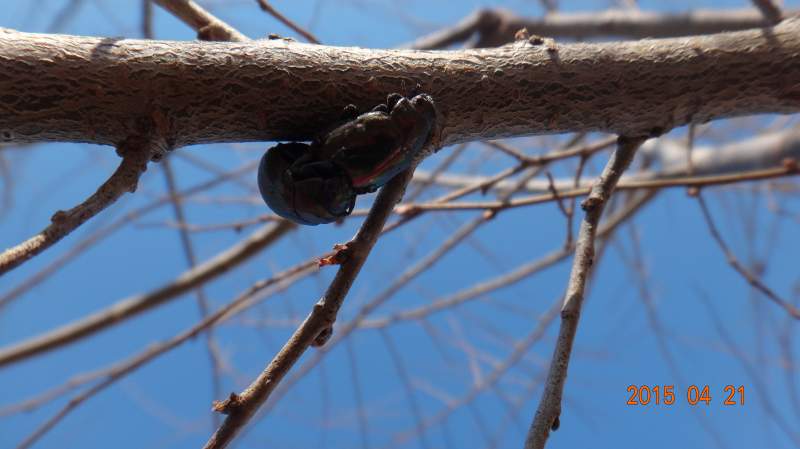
{"x": 228, "y": 406}
{"x": 324, "y": 335}
{"x": 590, "y": 203}
{"x": 341, "y": 252}
{"x": 212, "y": 32}
{"x": 59, "y": 217}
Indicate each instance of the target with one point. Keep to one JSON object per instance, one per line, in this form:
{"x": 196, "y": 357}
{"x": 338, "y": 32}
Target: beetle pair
{"x": 318, "y": 183}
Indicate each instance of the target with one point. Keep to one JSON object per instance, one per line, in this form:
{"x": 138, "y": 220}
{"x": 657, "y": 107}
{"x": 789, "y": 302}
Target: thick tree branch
{"x": 547, "y": 415}
{"x": 68, "y": 88}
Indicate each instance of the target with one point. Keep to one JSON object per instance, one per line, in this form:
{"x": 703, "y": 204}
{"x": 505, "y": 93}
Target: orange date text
{"x": 694, "y": 395}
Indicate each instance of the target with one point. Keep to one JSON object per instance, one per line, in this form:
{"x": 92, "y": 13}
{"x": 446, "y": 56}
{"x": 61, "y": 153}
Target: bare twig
{"x": 526, "y": 270}
{"x": 8, "y": 183}
{"x": 134, "y": 305}
{"x": 357, "y": 395}
{"x": 789, "y": 169}
{"x": 767, "y": 150}
{"x": 147, "y": 19}
{"x": 208, "y": 27}
{"x": 65, "y": 15}
{"x": 125, "y": 367}
{"x": 520, "y": 348}
{"x": 547, "y": 414}
{"x": 407, "y": 276}
{"x": 266, "y": 7}
{"x": 317, "y": 325}
{"x": 770, "y": 10}
{"x": 483, "y": 288}
{"x": 560, "y": 201}
{"x": 191, "y": 259}
{"x": 124, "y": 179}
{"x": 98, "y": 235}
{"x": 751, "y": 278}
{"x": 402, "y": 373}
{"x": 495, "y": 27}
{"x": 754, "y": 371}
{"x": 452, "y": 156}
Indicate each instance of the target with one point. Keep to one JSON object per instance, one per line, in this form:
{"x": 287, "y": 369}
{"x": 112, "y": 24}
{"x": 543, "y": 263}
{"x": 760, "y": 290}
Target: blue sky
{"x": 166, "y": 403}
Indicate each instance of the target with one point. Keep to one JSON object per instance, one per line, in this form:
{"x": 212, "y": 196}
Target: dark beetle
{"x": 318, "y": 183}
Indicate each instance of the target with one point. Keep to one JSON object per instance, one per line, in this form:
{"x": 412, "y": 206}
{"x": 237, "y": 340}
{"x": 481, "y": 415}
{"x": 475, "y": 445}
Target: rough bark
{"x": 69, "y": 88}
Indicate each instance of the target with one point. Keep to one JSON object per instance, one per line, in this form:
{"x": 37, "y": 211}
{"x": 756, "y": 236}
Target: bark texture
{"x": 104, "y": 90}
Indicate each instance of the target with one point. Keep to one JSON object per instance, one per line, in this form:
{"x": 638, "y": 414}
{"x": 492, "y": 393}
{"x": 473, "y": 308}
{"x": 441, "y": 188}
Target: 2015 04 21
{"x": 695, "y": 394}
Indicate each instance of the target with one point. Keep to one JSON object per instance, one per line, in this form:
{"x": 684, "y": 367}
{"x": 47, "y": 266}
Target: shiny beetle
{"x": 318, "y": 183}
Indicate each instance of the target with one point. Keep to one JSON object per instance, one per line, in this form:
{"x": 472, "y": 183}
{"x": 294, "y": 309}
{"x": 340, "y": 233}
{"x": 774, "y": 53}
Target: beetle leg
{"x": 381, "y": 108}
{"x": 349, "y": 112}
{"x": 392, "y": 100}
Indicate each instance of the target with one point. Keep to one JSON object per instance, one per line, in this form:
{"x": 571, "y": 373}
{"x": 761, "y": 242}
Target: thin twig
{"x": 137, "y": 304}
{"x": 402, "y": 373}
{"x": 208, "y": 27}
{"x": 124, "y": 179}
{"x": 147, "y": 19}
{"x": 65, "y": 15}
{"x": 495, "y": 27}
{"x": 770, "y": 10}
{"x": 266, "y": 7}
{"x": 452, "y": 156}
{"x": 483, "y": 288}
{"x": 507, "y": 149}
{"x": 97, "y": 235}
{"x": 689, "y": 181}
{"x": 547, "y": 415}
{"x": 363, "y": 428}
{"x": 520, "y": 348}
{"x": 407, "y": 276}
{"x": 125, "y": 367}
{"x": 191, "y": 260}
{"x": 751, "y": 278}
{"x": 754, "y": 371}
{"x": 523, "y": 272}
{"x": 241, "y": 407}
{"x": 559, "y": 201}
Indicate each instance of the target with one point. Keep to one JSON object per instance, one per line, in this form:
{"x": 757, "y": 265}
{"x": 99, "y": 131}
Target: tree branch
{"x": 99, "y": 90}
{"x": 135, "y": 157}
{"x": 547, "y": 414}
{"x": 241, "y": 407}
{"x": 118, "y": 370}
{"x": 789, "y": 168}
{"x": 208, "y": 27}
{"x": 495, "y": 27}
{"x": 266, "y": 7}
{"x": 135, "y": 305}
{"x": 751, "y": 278}
{"x": 769, "y": 10}
{"x": 733, "y": 160}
